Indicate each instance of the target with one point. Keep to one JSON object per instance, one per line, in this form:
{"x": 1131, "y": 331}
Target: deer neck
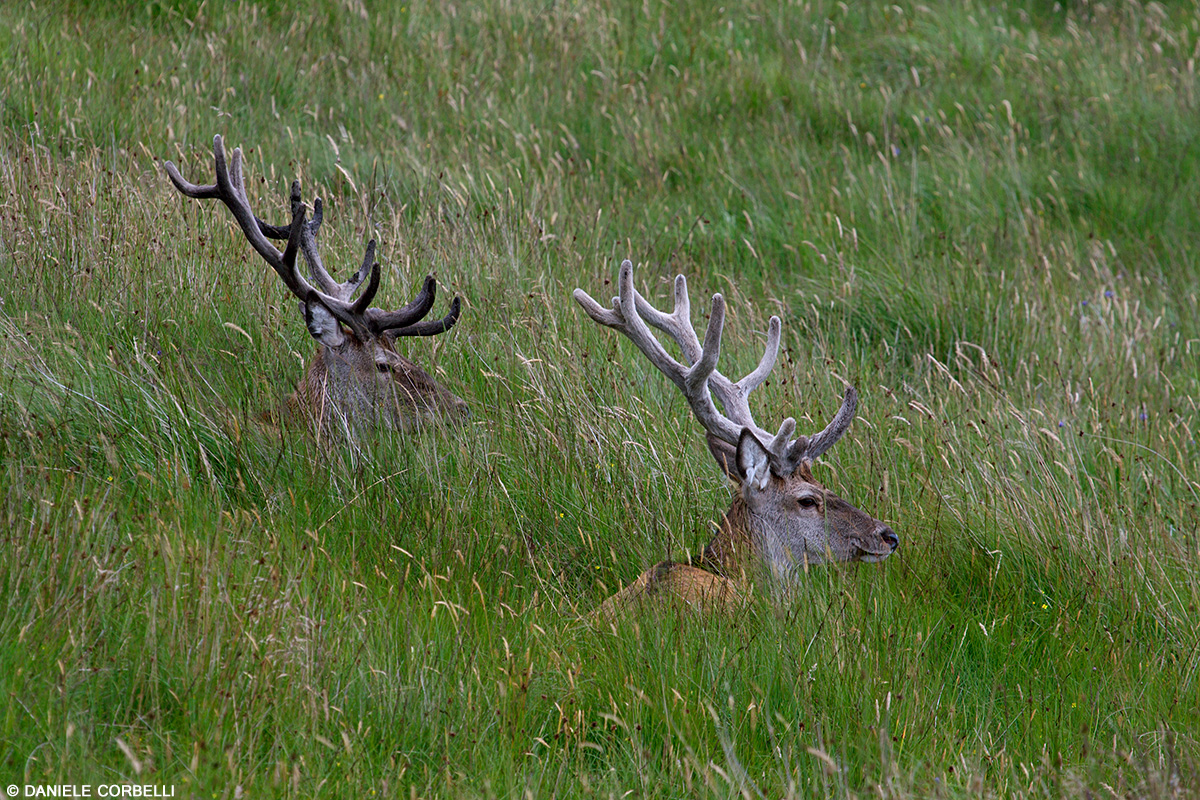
{"x": 312, "y": 398}
{"x": 731, "y": 550}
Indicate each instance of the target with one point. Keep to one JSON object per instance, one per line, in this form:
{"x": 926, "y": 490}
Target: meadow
{"x": 984, "y": 215}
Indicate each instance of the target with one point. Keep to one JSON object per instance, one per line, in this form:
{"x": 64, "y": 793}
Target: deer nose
{"x": 889, "y": 536}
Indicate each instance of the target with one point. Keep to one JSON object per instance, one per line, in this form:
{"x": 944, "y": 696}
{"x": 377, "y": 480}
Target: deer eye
{"x": 807, "y": 502}
{"x": 383, "y": 367}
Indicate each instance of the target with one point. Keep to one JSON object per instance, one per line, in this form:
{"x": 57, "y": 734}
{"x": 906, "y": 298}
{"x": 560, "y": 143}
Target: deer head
{"x": 795, "y": 522}
{"x": 782, "y": 514}
{"x": 357, "y": 378}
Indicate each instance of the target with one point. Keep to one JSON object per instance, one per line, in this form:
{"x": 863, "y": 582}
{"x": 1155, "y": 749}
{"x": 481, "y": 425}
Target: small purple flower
{"x": 1084, "y": 303}
{"x": 1061, "y": 423}
{"x": 1108, "y": 292}
{"x": 1143, "y": 416}
{"x": 895, "y": 150}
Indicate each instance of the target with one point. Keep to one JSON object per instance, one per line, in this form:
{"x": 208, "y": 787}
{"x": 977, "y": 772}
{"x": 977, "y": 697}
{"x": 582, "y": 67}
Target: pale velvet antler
{"x": 700, "y": 380}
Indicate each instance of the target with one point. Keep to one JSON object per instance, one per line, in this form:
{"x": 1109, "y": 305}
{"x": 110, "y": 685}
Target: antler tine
{"x": 369, "y": 267}
{"x": 700, "y": 371}
{"x": 308, "y": 245}
{"x": 364, "y": 300}
{"x": 598, "y": 313}
{"x": 702, "y": 377}
{"x": 677, "y": 324}
{"x": 431, "y": 327}
{"x": 195, "y": 190}
{"x": 281, "y": 231}
{"x": 779, "y": 444}
{"x": 836, "y": 428}
{"x": 767, "y": 363}
{"x": 625, "y": 303}
{"x": 416, "y": 309}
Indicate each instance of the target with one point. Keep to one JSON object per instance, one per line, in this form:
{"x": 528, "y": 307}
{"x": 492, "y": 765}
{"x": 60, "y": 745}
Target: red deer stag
{"x": 781, "y": 518}
{"x": 357, "y": 378}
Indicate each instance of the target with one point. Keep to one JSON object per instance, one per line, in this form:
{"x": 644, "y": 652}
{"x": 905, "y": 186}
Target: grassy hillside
{"x": 983, "y": 215}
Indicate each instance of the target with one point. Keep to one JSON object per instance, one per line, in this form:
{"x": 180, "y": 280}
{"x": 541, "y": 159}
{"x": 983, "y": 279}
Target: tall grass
{"x": 980, "y": 214}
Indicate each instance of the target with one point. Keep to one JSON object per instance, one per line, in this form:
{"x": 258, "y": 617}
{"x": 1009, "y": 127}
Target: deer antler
{"x": 700, "y": 381}
{"x": 301, "y": 236}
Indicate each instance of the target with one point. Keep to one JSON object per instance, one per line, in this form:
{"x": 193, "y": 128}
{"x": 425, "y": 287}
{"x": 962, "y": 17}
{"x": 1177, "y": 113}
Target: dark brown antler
{"x": 301, "y": 236}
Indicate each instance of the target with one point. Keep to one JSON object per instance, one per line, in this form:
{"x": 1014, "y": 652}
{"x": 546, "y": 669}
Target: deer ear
{"x": 322, "y": 325}
{"x": 753, "y": 461}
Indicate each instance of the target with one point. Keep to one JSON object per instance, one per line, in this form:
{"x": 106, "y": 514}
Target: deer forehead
{"x": 383, "y": 353}
{"x": 797, "y": 486}
{"x": 399, "y": 364}
{"x": 370, "y": 355}
{"x": 355, "y": 349}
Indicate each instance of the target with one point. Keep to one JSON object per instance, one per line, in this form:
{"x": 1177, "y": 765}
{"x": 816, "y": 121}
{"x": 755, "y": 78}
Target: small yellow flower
{"x": 1044, "y": 606}
{"x": 380, "y": 97}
